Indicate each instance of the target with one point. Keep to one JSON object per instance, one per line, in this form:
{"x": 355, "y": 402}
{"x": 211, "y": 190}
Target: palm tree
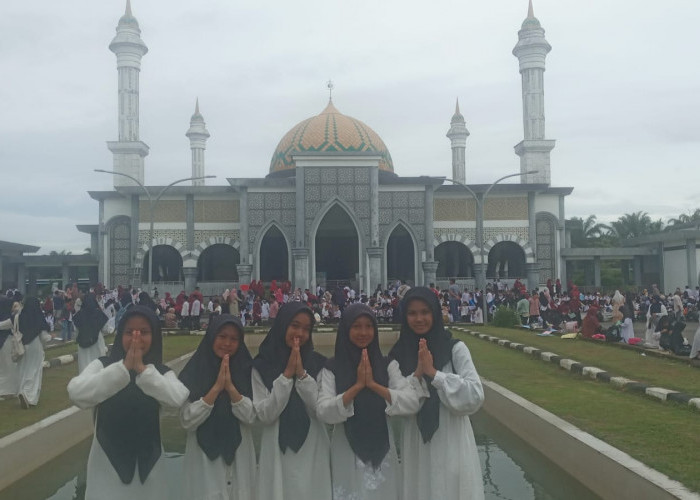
{"x": 588, "y": 232}
{"x": 636, "y": 224}
{"x": 683, "y": 219}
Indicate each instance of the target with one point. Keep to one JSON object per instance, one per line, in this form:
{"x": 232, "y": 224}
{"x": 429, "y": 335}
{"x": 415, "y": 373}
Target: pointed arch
{"x": 386, "y": 245}
{"x": 259, "y": 250}
{"x": 529, "y": 254}
{"x": 352, "y": 252}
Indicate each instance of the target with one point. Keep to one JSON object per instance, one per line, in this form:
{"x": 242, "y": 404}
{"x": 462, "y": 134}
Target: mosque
{"x": 333, "y": 207}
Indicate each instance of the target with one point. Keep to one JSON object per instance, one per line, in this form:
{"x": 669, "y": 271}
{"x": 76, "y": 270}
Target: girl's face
{"x": 227, "y": 340}
{"x": 137, "y": 323}
{"x": 299, "y": 328}
{"x": 362, "y": 332}
{"x": 419, "y": 316}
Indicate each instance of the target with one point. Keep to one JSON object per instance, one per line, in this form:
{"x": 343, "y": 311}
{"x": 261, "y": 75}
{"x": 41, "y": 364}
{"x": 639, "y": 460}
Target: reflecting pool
{"x": 512, "y": 470}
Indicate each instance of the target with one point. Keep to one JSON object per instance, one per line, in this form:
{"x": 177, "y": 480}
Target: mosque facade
{"x": 332, "y": 208}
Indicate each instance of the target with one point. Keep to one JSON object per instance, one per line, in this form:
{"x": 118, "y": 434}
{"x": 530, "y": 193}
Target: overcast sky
{"x": 622, "y": 95}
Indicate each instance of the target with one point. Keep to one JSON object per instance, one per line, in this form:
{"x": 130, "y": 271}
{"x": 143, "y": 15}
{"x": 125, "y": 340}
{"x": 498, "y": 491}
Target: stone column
{"x": 375, "y": 268}
{"x": 480, "y": 263}
{"x": 245, "y": 271}
{"x": 532, "y": 224}
{"x": 31, "y": 288}
{"x": 429, "y": 272}
{"x": 189, "y": 215}
{"x": 373, "y": 211}
{"x": 596, "y": 272}
{"x": 301, "y": 268}
{"x": 21, "y": 278}
{"x": 533, "y": 275}
{"x": 691, "y": 265}
{"x": 561, "y": 227}
{"x": 65, "y": 275}
{"x": 135, "y": 217}
{"x": 429, "y": 226}
{"x": 637, "y": 266}
{"x": 243, "y": 249}
{"x": 190, "y": 278}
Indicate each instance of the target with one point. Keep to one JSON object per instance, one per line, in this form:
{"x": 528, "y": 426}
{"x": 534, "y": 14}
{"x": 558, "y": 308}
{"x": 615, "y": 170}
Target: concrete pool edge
{"x": 605, "y": 470}
{"x": 29, "y": 448}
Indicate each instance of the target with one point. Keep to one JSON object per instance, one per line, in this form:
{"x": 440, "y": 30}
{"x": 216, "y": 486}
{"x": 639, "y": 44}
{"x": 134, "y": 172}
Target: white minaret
{"x": 531, "y": 51}
{"x": 458, "y": 134}
{"x": 129, "y": 152}
{"x": 198, "y": 135}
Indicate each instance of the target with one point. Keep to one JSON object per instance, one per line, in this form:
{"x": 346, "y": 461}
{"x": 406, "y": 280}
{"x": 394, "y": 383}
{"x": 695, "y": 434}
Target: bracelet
{"x": 303, "y": 376}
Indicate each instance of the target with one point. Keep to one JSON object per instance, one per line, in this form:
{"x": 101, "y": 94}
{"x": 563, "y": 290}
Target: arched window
{"x": 400, "y": 257}
{"x": 274, "y": 256}
{"x": 167, "y": 265}
{"x": 455, "y": 260}
{"x": 506, "y": 260}
{"x": 120, "y": 253}
{"x": 546, "y": 251}
{"x": 218, "y": 263}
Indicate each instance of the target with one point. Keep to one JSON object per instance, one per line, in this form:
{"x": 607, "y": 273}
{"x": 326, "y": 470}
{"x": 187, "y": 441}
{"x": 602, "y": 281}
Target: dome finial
{"x": 330, "y": 86}
{"x": 196, "y": 107}
{"x": 530, "y": 11}
{"x": 457, "y": 107}
{"x": 128, "y": 9}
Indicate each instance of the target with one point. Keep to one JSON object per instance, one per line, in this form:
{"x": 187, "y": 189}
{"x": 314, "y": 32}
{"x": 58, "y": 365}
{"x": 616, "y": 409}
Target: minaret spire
{"x": 128, "y": 150}
{"x": 458, "y": 134}
{"x": 198, "y": 135}
{"x": 531, "y": 50}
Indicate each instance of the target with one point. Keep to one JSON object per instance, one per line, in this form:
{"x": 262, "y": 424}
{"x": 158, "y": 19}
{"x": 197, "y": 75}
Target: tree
{"x": 589, "y": 232}
{"x": 684, "y": 219}
{"x": 636, "y": 224}
{"x": 62, "y": 252}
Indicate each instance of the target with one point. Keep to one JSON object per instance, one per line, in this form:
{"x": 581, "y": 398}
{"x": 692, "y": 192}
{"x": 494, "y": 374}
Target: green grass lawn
{"x": 651, "y": 370}
{"x": 665, "y": 436}
{"x": 54, "y": 397}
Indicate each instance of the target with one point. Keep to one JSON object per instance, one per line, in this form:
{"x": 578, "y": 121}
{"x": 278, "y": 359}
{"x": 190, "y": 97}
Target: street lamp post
{"x": 480, "y": 230}
{"x": 152, "y": 203}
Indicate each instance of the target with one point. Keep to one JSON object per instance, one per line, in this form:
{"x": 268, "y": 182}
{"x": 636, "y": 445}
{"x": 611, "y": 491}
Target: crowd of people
{"x": 294, "y": 393}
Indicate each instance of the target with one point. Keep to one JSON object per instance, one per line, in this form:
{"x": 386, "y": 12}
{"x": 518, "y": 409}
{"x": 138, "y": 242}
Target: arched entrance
{"x": 506, "y": 260}
{"x": 336, "y": 248}
{"x": 400, "y": 256}
{"x": 455, "y": 260}
{"x": 167, "y": 264}
{"x": 274, "y": 256}
{"x": 218, "y": 263}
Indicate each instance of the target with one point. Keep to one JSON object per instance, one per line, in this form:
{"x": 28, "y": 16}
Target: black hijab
{"x": 271, "y": 361}
{"x": 220, "y": 433}
{"x": 89, "y": 320}
{"x": 5, "y": 313}
{"x": 32, "y": 320}
{"x": 366, "y": 430}
{"x": 127, "y": 425}
{"x": 405, "y": 351}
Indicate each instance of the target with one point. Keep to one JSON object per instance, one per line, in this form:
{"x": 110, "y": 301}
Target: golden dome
{"x": 329, "y": 131}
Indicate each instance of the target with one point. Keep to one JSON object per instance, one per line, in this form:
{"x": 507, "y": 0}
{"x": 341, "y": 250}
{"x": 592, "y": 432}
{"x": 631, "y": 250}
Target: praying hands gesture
{"x": 294, "y": 364}
{"x": 425, "y": 361}
{"x": 223, "y": 383}
{"x": 365, "y": 379}
{"x": 134, "y": 355}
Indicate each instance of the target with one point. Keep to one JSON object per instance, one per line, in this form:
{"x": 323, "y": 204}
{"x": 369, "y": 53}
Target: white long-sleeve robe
{"x": 291, "y": 476}
{"x": 353, "y": 479}
{"x": 31, "y": 370}
{"x": 9, "y": 371}
{"x": 206, "y": 479}
{"x": 447, "y": 467}
{"x": 96, "y": 384}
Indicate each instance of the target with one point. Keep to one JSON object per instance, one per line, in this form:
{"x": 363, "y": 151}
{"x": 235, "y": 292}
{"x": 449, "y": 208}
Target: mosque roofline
{"x": 88, "y": 228}
{"x": 663, "y": 237}
{"x": 122, "y": 191}
{"x": 8, "y": 246}
{"x": 508, "y": 188}
{"x": 266, "y": 182}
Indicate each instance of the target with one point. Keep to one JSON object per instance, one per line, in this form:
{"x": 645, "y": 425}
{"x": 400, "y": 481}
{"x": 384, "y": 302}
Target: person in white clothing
{"x": 358, "y": 392}
{"x": 90, "y": 321}
{"x": 127, "y": 389}
{"x": 35, "y": 332}
{"x": 439, "y": 453}
{"x": 219, "y": 457}
{"x": 185, "y": 315}
{"x": 294, "y": 453}
{"x": 9, "y": 373}
{"x": 195, "y": 311}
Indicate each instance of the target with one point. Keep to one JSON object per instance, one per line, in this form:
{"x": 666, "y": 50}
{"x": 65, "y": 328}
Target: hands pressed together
{"x": 223, "y": 383}
{"x": 365, "y": 380}
{"x": 425, "y": 361}
{"x": 294, "y": 364}
{"x": 134, "y": 355}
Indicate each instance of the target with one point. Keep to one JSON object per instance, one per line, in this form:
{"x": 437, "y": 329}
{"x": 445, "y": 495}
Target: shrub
{"x": 505, "y": 317}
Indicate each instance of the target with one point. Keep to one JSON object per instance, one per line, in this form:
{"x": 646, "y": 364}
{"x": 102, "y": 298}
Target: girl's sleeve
{"x": 194, "y": 413}
{"x": 329, "y": 406}
{"x": 462, "y": 391}
{"x": 97, "y": 383}
{"x": 406, "y": 392}
{"x": 243, "y": 410}
{"x": 166, "y": 389}
{"x": 308, "y": 389}
{"x": 270, "y": 404}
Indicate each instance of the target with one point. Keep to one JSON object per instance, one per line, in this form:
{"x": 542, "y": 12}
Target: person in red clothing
{"x": 591, "y": 324}
{"x": 257, "y": 311}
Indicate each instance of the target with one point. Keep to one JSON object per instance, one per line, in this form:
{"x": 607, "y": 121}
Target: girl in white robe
{"x": 35, "y": 331}
{"x": 357, "y": 394}
{"x": 9, "y": 374}
{"x": 219, "y": 461}
{"x": 438, "y": 450}
{"x": 127, "y": 388}
{"x": 90, "y": 321}
{"x": 294, "y": 456}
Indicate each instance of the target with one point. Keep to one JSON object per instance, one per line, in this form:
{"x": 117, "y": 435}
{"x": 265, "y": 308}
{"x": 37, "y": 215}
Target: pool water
{"x": 512, "y": 470}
